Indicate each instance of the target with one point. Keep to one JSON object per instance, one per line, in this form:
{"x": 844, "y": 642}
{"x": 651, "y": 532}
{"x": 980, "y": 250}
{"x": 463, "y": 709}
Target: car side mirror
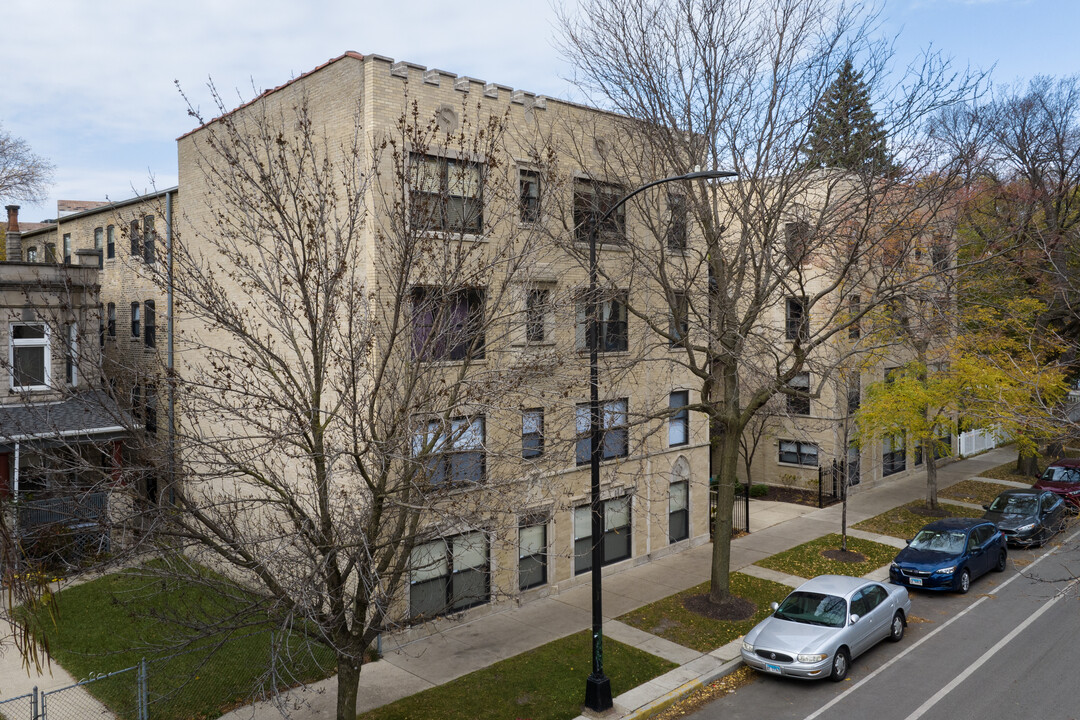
{"x": 854, "y": 618}
{"x": 774, "y": 606}
{"x": 986, "y": 507}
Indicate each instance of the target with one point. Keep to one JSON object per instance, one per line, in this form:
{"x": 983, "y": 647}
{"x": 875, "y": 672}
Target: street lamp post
{"x": 598, "y": 686}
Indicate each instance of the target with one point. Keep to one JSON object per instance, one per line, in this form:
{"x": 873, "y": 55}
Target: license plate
{"x": 773, "y": 668}
{"x": 915, "y": 581}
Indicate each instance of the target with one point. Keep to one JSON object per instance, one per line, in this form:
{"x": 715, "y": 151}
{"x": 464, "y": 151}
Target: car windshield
{"x": 1014, "y": 504}
{"x": 1061, "y": 474}
{"x": 946, "y": 541}
{"x": 813, "y": 609}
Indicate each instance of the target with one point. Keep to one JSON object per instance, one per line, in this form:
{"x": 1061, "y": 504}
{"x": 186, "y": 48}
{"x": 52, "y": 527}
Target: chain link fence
{"x": 204, "y": 682}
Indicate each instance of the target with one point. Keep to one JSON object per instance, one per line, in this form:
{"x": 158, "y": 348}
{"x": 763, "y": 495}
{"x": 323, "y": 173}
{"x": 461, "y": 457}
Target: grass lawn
{"x": 807, "y": 560}
{"x": 903, "y": 522}
{"x": 974, "y": 491}
{"x": 669, "y": 619}
{"x": 99, "y": 631}
{"x": 1007, "y": 471}
{"x": 547, "y": 683}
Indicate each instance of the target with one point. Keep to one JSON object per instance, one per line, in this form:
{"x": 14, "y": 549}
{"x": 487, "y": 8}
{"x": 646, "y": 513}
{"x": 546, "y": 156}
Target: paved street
{"x": 1005, "y": 650}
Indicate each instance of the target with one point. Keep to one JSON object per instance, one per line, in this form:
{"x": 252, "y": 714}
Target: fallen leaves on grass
{"x": 713, "y": 691}
{"x": 974, "y": 491}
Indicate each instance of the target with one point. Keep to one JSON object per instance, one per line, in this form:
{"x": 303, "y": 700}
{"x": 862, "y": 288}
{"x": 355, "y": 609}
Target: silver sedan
{"x": 824, "y": 624}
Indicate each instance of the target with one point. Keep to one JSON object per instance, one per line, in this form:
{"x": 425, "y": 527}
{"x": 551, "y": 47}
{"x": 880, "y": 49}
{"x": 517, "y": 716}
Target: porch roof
{"x": 91, "y": 415}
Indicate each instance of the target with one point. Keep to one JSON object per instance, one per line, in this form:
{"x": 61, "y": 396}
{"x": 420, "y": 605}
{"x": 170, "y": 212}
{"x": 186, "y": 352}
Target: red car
{"x": 1063, "y": 478}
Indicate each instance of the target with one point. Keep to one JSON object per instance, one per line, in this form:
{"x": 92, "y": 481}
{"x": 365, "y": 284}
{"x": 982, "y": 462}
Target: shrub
{"x": 759, "y": 490}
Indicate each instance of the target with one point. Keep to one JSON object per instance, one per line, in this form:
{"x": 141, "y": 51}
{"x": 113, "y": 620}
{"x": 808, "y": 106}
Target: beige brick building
{"x": 516, "y": 209}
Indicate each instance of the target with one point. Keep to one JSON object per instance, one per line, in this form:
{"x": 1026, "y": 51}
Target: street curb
{"x": 682, "y": 692}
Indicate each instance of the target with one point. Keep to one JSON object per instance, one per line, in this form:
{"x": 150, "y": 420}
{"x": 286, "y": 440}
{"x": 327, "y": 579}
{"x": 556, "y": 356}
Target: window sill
{"x": 782, "y": 463}
{"x": 601, "y": 351}
{"x": 533, "y": 344}
{"x": 451, "y": 363}
{"x": 621, "y": 246}
{"x": 452, "y": 235}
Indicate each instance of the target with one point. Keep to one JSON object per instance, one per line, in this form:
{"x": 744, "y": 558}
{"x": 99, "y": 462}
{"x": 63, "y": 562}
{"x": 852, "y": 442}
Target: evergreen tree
{"x": 845, "y": 133}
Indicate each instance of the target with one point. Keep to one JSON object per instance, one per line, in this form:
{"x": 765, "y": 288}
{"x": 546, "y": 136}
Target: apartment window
{"x": 798, "y": 402}
{"x": 797, "y": 321}
{"x": 101, "y": 330}
{"x": 136, "y": 239}
{"x": 616, "y": 538}
{"x": 537, "y": 307}
{"x": 794, "y": 452}
{"x": 31, "y": 254}
{"x": 796, "y": 241}
{"x": 110, "y": 242}
{"x": 447, "y": 195}
{"x": 448, "y": 574}
{"x": 854, "y": 395}
{"x": 136, "y": 320}
{"x": 891, "y": 373}
{"x": 893, "y": 454}
{"x": 136, "y": 401}
{"x": 30, "y": 356}
{"x": 529, "y": 189}
{"x": 679, "y": 322}
{"x": 532, "y": 433}
{"x": 855, "y": 307}
{"x": 71, "y": 350}
{"x": 149, "y": 240}
{"x": 532, "y": 556}
{"x": 111, "y": 314}
{"x": 67, "y": 248}
{"x": 678, "y": 511}
{"x": 448, "y": 324}
{"x": 456, "y": 457}
{"x": 150, "y": 413}
{"x": 99, "y": 240}
{"x": 591, "y": 201}
{"x": 150, "y": 324}
{"x": 611, "y": 331}
{"x": 677, "y": 215}
{"x": 50, "y": 252}
{"x": 614, "y": 432}
{"x": 939, "y": 252}
{"x": 679, "y": 423}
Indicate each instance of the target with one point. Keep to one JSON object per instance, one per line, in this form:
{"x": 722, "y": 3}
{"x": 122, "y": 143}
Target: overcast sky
{"x": 90, "y": 86}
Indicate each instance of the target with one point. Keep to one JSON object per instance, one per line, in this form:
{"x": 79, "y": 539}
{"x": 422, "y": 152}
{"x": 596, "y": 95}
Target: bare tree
{"x": 24, "y": 175}
{"x": 772, "y": 268}
{"x": 346, "y": 397}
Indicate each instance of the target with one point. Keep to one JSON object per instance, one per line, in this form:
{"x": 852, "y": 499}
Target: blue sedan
{"x": 948, "y": 554}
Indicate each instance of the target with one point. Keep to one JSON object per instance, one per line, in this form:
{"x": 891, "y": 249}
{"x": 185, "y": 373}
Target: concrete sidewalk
{"x": 451, "y": 649}
{"x": 447, "y": 649}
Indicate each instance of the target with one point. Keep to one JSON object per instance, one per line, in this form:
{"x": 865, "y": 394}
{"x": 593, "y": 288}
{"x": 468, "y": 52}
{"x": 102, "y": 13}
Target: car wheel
{"x": 896, "y": 630}
{"x": 1002, "y": 562}
{"x": 840, "y": 664}
{"x": 964, "y": 584}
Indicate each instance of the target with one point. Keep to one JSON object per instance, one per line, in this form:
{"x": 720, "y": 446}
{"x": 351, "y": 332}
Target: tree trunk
{"x": 1027, "y": 464}
{"x": 931, "y": 475}
{"x": 725, "y": 460}
{"x": 843, "y": 507}
{"x": 348, "y": 683}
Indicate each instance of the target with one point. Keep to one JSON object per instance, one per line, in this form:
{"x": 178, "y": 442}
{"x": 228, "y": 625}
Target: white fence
{"x": 977, "y": 441}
